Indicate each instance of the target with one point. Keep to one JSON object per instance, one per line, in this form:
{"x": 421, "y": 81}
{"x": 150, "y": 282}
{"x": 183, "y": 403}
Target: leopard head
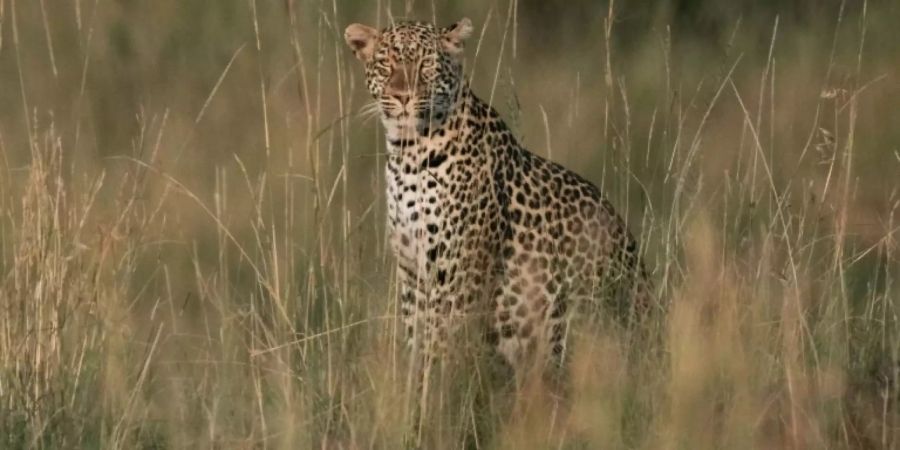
{"x": 413, "y": 70}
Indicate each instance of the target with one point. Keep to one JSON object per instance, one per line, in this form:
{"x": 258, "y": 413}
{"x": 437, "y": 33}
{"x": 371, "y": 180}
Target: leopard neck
{"x": 437, "y": 140}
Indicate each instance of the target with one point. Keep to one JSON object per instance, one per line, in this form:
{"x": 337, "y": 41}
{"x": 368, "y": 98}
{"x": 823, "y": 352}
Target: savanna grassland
{"x": 192, "y": 248}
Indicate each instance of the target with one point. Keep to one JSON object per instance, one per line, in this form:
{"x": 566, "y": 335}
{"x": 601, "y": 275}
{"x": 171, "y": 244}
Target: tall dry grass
{"x": 191, "y": 230}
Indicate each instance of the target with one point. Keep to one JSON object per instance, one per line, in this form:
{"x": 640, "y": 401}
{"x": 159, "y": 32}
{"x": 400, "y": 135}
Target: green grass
{"x": 192, "y": 246}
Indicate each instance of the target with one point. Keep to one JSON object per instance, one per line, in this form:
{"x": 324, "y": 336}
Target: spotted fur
{"x": 479, "y": 225}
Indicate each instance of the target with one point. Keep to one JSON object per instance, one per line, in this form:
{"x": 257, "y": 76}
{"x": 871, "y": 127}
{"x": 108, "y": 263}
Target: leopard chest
{"x": 418, "y": 193}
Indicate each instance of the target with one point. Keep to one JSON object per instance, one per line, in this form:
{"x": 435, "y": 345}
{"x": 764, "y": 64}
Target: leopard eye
{"x": 428, "y": 69}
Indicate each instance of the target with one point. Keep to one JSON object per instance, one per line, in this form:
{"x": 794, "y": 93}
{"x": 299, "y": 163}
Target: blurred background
{"x": 192, "y": 230}
{"x": 102, "y": 72}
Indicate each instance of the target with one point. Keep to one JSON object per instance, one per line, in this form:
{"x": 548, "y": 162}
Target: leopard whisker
{"x": 369, "y": 111}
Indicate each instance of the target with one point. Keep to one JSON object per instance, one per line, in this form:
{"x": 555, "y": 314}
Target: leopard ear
{"x": 454, "y": 36}
{"x": 362, "y": 40}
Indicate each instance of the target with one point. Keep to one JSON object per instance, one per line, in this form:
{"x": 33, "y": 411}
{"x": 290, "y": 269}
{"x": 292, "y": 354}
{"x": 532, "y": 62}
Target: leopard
{"x": 481, "y": 227}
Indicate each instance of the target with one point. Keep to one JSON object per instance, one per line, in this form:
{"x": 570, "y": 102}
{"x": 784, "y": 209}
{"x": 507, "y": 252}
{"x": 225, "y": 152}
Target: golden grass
{"x": 192, "y": 252}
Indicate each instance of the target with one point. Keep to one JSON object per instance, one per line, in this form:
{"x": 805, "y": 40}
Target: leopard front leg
{"x": 424, "y": 324}
{"x": 426, "y": 331}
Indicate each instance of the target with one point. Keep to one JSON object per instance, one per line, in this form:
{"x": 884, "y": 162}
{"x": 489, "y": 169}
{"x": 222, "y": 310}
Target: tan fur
{"x": 480, "y": 226}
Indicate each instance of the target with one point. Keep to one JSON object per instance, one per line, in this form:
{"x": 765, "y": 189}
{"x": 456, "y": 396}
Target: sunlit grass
{"x": 192, "y": 244}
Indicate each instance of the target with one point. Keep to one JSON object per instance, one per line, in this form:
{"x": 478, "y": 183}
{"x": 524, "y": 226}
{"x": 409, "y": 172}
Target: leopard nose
{"x": 399, "y": 80}
{"x": 402, "y": 98}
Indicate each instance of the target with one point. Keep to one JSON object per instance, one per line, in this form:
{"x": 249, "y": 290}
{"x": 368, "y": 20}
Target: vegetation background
{"x": 192, "y": 247}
